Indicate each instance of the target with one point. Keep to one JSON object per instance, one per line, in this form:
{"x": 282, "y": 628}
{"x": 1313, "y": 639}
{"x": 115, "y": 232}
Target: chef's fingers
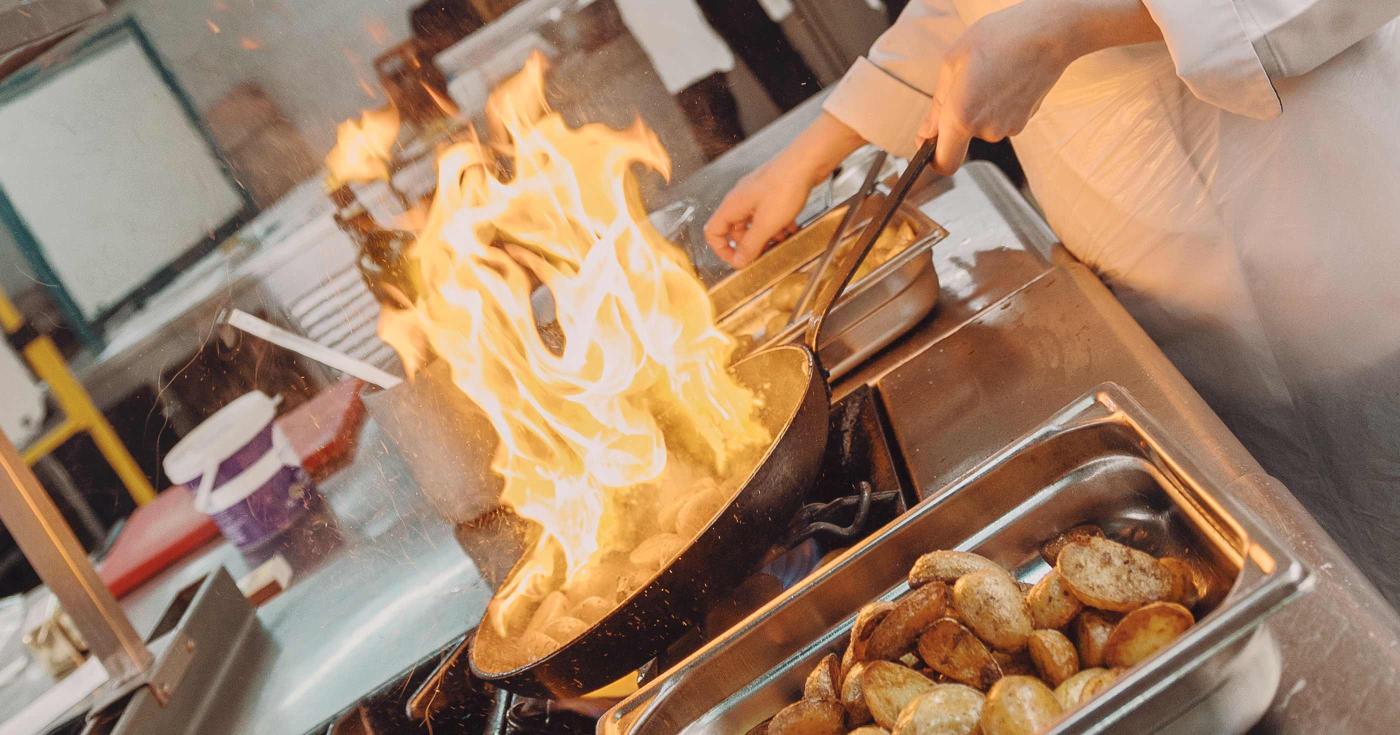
{"x": 928, "y": 129}
{"x": 763, "y": 230}
{"x": 953, "y": 139}
{"x": 727, "y": 225}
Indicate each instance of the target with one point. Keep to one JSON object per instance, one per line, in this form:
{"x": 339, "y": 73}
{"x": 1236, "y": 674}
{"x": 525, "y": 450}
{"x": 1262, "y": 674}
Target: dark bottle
{"x": 383, "y": 259}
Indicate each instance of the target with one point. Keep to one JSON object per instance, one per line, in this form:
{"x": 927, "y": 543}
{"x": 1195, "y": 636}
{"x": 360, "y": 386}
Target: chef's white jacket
{"x": 1238, "y": 186}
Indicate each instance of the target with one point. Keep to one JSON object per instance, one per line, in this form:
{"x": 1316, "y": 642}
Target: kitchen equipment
{"x": 244, "y": 472}
{"x": 1101, "y": 460}
{"x": 871, "y": 313}
{"x": 157, "y": 535}
{"x": 306, "y": 348}
{"x": 796, "y": 409}
{"x": 867, "y": 187}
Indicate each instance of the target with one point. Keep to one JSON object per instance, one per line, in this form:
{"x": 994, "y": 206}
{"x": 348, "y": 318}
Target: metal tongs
{"x": 867, "y": 188}
{"x": 843, "y": 270}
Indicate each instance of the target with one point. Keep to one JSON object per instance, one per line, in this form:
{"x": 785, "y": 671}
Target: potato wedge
{"x": 1145, "y": 631}
{"x": 1051, "y": 603}
{"x": 990, "y": 604}
{"x": 889, "y": 688}
{"x": 867, "y": 620}
{"x": 946, "y": 566}
{"x": 949, "y": 709}
{"x": 1091, "y": 631}
{"x": 1050, "y": 551}
{"x": 1054, "y": 656}
{"x": 809, "y": 717}
{"x": 1019, "y": 705}
{"x": 853, "y": 696}
{"x": 957, "y": 653}
{"x": 1186, "y": 589}
{"x": 869, "y": 730}
{"x": 825, "y": 680}
{"x": 899, "y": 631}
{"x": 1070, "y": 692}
{"x": 1110, "y": 576}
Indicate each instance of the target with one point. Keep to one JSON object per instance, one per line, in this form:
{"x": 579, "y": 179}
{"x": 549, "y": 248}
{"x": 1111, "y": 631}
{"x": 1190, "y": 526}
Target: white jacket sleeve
{"x": 1229, "y": 52}
{"x": 885, "y": 95}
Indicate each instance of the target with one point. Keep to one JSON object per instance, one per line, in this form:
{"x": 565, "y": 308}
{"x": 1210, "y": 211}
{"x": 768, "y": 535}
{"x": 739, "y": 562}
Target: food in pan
{"x": 971, "y": 650}
{"x": 766, "y": 319}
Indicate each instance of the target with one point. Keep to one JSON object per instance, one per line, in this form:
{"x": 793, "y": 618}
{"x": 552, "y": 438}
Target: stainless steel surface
{"x": 395, "y": 590}
{"x": 1101, "y": 460}
{"x": 27, "y": 22}
{"x": 872, "y": 312}
{"x": 55, "y": 554}
{"x": 867, "y": 187}
{"x": 205, "y": 647}
{"x": 843, "y": 268}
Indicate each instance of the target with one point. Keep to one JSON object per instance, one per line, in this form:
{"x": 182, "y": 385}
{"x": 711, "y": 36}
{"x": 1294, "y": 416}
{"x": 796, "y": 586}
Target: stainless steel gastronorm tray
{"x": 872, "y": 312}
{"x": 1101, "y": 460}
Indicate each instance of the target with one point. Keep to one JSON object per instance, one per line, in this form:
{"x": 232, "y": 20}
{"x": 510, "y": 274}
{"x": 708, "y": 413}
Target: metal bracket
{"x": 197, "y": 644}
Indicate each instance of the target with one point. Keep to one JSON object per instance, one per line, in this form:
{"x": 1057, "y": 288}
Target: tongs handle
{"x": 845, "y": 266}
{"x": 872, "y": 178}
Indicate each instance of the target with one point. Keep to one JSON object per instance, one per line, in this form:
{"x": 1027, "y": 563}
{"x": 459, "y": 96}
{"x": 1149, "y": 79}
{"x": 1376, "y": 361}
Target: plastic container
{"x": 243, "y": 472}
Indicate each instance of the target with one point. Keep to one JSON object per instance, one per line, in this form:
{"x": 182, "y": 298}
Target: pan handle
{"x": 844, "y": 266}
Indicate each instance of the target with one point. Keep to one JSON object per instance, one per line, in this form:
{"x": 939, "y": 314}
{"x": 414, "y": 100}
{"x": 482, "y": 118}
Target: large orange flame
{"x": 639, "y": 377}
{"x": 362, "y": 147}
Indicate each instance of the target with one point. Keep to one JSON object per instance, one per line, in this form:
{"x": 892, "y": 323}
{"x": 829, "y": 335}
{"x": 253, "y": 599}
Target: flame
{"x": 639, "y": 377}
{"x": 362, "y": 147}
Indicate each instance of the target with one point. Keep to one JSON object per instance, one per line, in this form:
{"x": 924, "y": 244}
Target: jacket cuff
{"x": 1215, "y": 56}
{"x": 879, "y": 106}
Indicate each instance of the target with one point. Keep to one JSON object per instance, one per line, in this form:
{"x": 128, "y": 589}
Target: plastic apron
{"x": 1263, "y": 256}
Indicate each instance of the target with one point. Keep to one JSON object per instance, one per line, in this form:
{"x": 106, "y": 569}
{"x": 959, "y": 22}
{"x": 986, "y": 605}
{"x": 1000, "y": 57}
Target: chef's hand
{"x": 995, "y": 76}
{"x": 763, "y": 207}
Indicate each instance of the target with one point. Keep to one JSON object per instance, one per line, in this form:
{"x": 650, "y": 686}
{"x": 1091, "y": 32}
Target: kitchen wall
{"x": 312, "y": 58}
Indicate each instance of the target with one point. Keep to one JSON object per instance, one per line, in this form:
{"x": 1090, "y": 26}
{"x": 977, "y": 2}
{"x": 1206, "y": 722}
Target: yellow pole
{"x": 79, "y": 412}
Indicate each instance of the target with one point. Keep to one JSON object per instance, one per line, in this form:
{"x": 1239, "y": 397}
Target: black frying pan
{"x": 796, "y": 409}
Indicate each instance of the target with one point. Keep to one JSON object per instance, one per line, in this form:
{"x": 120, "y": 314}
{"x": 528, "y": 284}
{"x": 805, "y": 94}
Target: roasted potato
{"x": 825, "y": 681}
{"x": 1054, "y": 656}
{"x": 869, "y": 730}
{"x": 656, "y": 552}
{"x": 948, "y": 709}
{"x": 991, "y": 605}
{"x": 1091, "y": 631}
{"x": 899, "y": 631}
{"x": 867, "y": 620}
{"x": 1110, "y": 576}
{"x": 889, "y": 688}
{"x": 1050, "y": 550}
{"x": 1051, "y": 603}
{"x": 853, "y": 696}
{"x": 1017, "y": 663}
{"x": 1019, "y": 705}
{"x": 1186, "y": 588}
{"x": 1070, "y": 692}
{"x": 955, "y": 652}
{"x": 564, "y": 628}
{"x": 1144, "y": 632}
{"x": 809, "y": 717}
{"x": 946, "y": 566}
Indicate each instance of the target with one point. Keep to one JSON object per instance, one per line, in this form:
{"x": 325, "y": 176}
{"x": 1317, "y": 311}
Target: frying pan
{"x": 796, "y": 409}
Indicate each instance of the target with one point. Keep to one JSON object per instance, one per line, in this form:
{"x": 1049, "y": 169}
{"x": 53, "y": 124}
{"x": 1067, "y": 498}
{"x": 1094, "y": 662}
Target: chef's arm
{"x": 886, "y": 94}
{"x": 1229, "y": 52}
